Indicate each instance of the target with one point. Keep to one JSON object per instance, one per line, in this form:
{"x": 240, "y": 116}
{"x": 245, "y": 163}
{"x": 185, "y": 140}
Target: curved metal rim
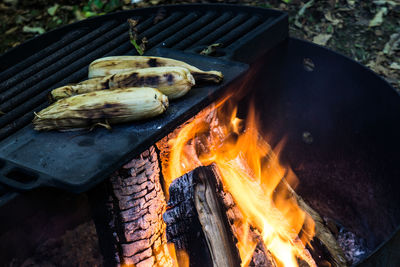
{"x": 381, "y": 246}
{"x": 351, "y": 60}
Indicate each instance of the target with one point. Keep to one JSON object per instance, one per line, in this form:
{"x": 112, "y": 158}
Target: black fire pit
{"x": 339, "y": 118}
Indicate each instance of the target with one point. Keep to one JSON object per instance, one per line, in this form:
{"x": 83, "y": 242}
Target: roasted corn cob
{"x": 101, "y": 107}
{"x": 117, "y": 64}
{"x": 174, "y": 82}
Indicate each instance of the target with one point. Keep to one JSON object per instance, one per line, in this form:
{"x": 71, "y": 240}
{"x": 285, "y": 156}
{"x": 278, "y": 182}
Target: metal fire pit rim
{"x": 368, "y": 260}
{"x": 348, "y": 58}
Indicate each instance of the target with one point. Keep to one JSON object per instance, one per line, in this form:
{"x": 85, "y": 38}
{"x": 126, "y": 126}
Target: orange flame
{"x": 179, "y": 257}
{"x": 251, "y": 173}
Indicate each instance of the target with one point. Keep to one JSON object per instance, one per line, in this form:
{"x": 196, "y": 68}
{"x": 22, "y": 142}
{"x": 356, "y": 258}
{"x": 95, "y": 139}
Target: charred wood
{"x": 325, "y": 248}
{"x": 103, "y": 216}
{"x": 134, "y": 214}
{"x": 197, "y": 221}
{"x": 183, "y": 226}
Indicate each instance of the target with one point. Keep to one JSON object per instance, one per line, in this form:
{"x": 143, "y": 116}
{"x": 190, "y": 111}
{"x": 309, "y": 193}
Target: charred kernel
{"x": 109, "y": 105}
{"x": 152, "y": 62}
{"x": 130, "y": 80}
{"x": 152, "y": 80}
{"x": 170, "y": 78}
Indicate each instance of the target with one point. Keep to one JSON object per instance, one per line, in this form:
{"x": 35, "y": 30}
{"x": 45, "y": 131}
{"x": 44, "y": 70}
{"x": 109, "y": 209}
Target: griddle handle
{"x": 19, "y": 179}
{"x": 18, "y": 186}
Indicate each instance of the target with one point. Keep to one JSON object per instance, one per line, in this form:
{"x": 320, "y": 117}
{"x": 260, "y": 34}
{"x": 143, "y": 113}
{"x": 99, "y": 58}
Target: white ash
{"x": 354, "y": 247}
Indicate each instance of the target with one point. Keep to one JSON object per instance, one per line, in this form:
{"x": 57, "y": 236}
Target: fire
{"x": 252, "y": 174}
{"x": 179, "y": 257}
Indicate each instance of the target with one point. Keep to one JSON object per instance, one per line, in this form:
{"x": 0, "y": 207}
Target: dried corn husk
{"x": 174, "y": 82}
{"x": 87, "y": 86}
{"x": 101, "y": 107}
{"x": 117, "y": 64}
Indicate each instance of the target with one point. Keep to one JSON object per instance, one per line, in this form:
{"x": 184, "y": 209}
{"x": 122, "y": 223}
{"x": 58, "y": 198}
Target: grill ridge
{"x": 165, "y": 33}
{"x": 189, "y": 29}
{"x": 204, "y": 31}
{"x": 51, "y": 58}
{"x": 69, "y": 37}
{"x": 236, "y": 45}
{"x": 158, "y": 40}
{"x": 53, "y": 71}
{"x": 235, "y": 21}
{"x": 149, "y": 33}
{"x": 19, "y": 123}
{"x": 237, "y": 32}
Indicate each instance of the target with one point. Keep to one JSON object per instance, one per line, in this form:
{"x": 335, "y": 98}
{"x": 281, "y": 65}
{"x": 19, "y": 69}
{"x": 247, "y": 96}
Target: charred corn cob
{"x": 174, "y": 82}
{"x": 101, "y": 107}
{"x": 117, "y": 64}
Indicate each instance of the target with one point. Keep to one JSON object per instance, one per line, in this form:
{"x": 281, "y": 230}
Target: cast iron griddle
{"x": 78, "y": 160}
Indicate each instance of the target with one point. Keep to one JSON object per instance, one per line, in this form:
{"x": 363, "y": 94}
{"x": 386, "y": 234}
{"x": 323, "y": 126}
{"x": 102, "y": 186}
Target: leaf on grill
{"x": 210, "y": 50}
{"x": 133, "y": 35}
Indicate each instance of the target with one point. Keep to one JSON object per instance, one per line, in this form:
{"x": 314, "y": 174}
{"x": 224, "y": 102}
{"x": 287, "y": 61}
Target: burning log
{"x": 135, "y": 207}
{"x": 324, "y": 242}
{"x": 201, "y": 216}
{"x": 197, "y": 222}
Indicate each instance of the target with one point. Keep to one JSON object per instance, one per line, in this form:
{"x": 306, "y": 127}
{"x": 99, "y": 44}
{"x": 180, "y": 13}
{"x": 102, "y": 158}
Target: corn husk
{"x": 101, "y": 108}
{"x": 87, "y": 86}
{"x": 174, "y": 82}
{"x": 111, "y": 65}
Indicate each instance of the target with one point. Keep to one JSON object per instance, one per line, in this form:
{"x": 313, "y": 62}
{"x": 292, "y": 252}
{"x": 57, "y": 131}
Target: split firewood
{"x": 261, "y": 256}
{"x": 187, "y": 211}
{"x": 201, "y": 217}
{"x": 324, "y": 241}
{"x": 197, "y": 223}
{"x": 136, "y": 206}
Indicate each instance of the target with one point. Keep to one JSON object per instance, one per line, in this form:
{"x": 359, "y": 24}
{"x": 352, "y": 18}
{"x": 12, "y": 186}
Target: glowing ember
{"x": 252, "y": 174}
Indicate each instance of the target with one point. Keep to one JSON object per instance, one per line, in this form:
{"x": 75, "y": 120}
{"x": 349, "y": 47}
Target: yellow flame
{"x": 251, "y": 173}
{"x": 179, "y": 257}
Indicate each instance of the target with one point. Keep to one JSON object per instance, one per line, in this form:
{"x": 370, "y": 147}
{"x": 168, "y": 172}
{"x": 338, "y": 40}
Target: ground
{"x": 367, "y": 31}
